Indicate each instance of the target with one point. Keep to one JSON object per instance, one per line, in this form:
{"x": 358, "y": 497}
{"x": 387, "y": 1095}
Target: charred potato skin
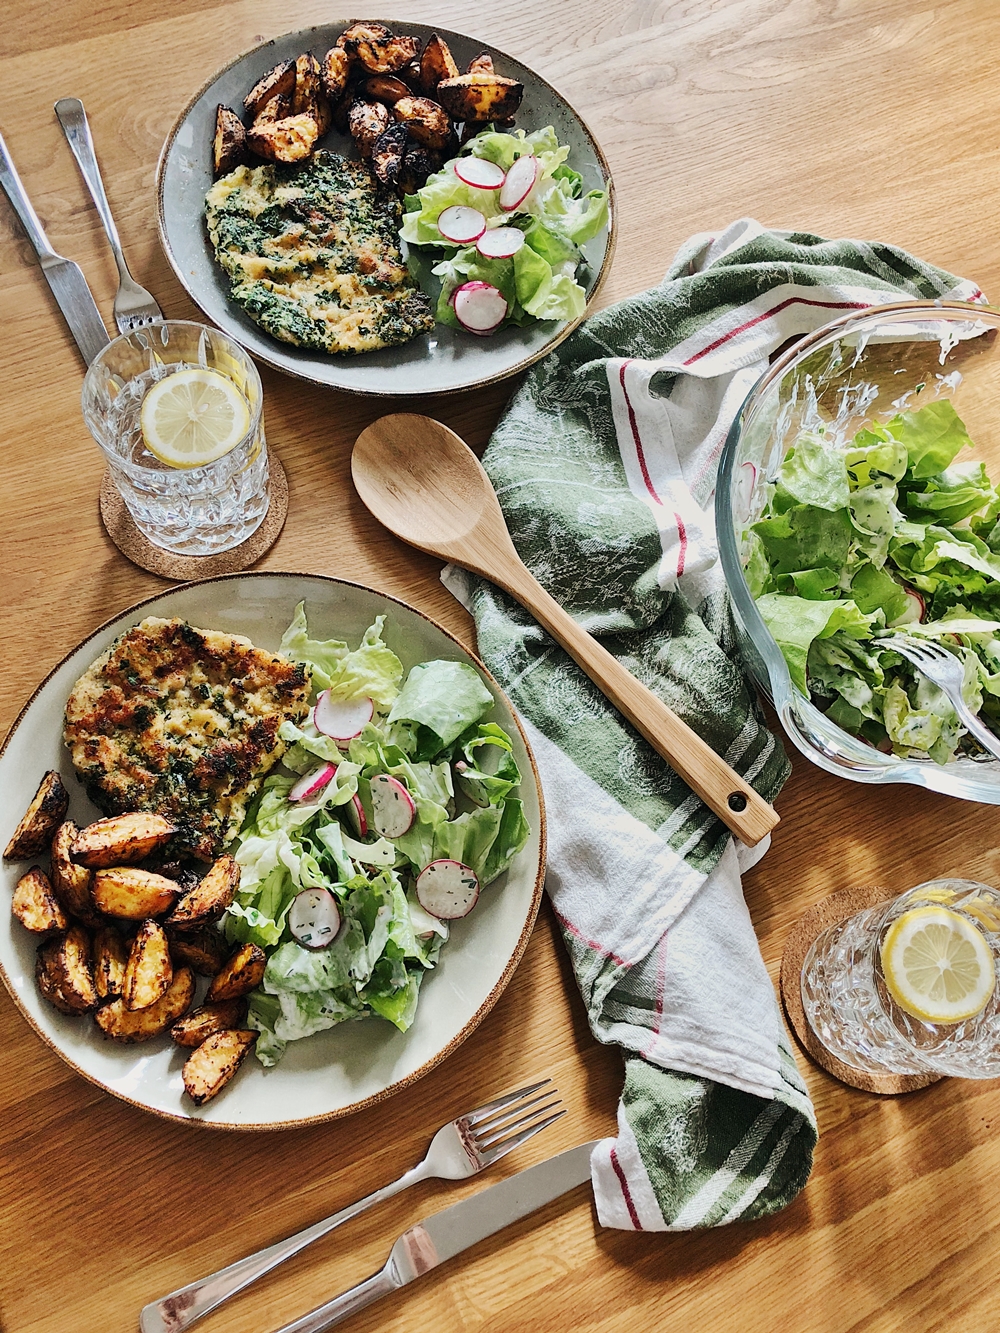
{"x": 38, "y": 824}
{"x": 47, "y": 980}
{"x": 35, "y": 904}
{"x": 229, "y": 147}
{"x": 149, "y": 971}
{"x": 120, "y": 840}
{"x": 418, "y": 163}
{"x": 335, "y": 70}
{"x": 109, "y": 958}
{"x": 277, "y": 82}
{"x": 288, "y": 140}
{"x": 242, "y": 973}
{"x": 206, "y": 1021}
{"x": 426, "y": 121}
{"x": 209, "y": 898}
{"x": 480, "y": 97}
{"x": 388, "y": 153}
{"x": 71, "y": 969}
{"x": 436, "y": 63}
{"x": 208, "y": 1069}
{"x": 205, "y": 951}
{"x": 385, "y": 88}
{"x": 308, "y": 97}
{"x": 378, "y": 49}
{"x": 131, "y": 894}
{"x": 131, "y": 1026}
{"x": 365, "y": 122}
{"x": 71, "y": 882}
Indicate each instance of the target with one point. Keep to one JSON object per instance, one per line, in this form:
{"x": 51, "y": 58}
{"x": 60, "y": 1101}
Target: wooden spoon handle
{"x": 736, "y": 803}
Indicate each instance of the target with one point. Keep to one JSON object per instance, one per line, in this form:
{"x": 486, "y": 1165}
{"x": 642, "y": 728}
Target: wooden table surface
{"x": 871, "y": 118}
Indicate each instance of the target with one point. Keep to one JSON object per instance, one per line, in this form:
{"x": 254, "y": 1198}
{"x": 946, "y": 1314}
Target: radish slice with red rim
{"x": 479, "y": 307}
{"x": 480, "y": 172}
{"x": 914, "y": 613}
{"x": 461, "y": 224}
{"x": 447, "y": 889}
{"x": 314, "y": 918}
{"x": 519, "y": 183}
{"x": 341, "y": 718}
{"x": 313, "y": 783}
{"x": 500, "y": 242}
{"x": 393, "y": 808}
{"x": 356, "y": 814}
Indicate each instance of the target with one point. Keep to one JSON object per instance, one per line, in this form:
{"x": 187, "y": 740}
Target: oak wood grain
{"x": 872, "y": 118}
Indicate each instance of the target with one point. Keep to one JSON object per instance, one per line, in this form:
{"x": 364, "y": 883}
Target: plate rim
{"x": 484, "y": 1009}
{"x": 480, "y": 383}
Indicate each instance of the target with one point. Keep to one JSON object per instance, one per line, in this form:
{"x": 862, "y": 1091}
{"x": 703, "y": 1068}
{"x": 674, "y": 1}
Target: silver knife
{"x": 69, "y": 286}
{"x": 447, "y": 1233}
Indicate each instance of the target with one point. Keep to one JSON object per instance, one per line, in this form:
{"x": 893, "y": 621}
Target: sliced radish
{"x": 479, "y": 307}
{"x": 500, "y": 242}
{"x": 393, "y": 809}
{"x": 356, "y": 814}
{"x": 480, "y": 172}
{"x": 447, "y": 889}
{"x": 314, "y": 918}
{"x": 313, "y": 783}
{"x": 461, "y": 224}
{"x": 520, "y": 180}
{"x": 341, "y": 718}
{"x": 914, "y": 613}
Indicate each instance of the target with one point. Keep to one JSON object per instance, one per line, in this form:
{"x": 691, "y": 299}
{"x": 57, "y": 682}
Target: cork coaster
{"x": 134, "y": 546}
{"x": 837, "y": 907}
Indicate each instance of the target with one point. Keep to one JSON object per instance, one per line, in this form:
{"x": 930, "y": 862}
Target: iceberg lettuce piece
{"x": 442, "y": 699}
{"x": 371, "y": 670}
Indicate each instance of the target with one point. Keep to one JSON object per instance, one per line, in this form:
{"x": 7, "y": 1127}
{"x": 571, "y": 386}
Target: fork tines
{"x": 501, "y": 1126}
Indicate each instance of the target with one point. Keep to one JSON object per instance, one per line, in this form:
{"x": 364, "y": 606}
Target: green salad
{"x": 397, "y": 808}
{"x": 507, "y": 248}
{"x": 892, "y": 531}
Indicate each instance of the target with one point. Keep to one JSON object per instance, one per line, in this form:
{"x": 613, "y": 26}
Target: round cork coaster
{"x": 826, "y": 913}
{"x": 134, "y": 546}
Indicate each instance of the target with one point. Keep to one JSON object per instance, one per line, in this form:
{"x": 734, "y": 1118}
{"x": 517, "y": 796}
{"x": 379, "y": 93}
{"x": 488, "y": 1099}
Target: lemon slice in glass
{"x": 192, "y": 417}
{"x": 937, "y": 966}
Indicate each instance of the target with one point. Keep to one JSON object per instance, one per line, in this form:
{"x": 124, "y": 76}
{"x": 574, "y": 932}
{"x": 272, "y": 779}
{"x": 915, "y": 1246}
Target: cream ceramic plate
{"x": 348, "y": 1067}
{"x": 442, "y": 361}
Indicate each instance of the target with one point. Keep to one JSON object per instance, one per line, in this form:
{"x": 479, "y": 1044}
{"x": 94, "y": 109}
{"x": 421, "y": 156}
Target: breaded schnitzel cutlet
{"x": 183, "y": 722}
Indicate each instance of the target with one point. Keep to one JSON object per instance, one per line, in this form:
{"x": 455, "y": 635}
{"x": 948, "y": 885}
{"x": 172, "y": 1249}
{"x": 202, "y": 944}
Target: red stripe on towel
{"x": 759, "y": 319}
{"x": 635, "y": 434}
{"x": 591, "y": 944}
{"x": 626, "y": 1195}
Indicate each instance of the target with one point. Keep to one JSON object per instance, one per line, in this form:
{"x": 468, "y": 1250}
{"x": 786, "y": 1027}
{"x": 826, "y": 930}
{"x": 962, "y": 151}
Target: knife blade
{"x": 66, "y": 280}
{"x": 445, "y": 1234}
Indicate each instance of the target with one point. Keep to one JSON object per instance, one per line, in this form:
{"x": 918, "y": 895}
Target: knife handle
{"x": 14, "y": 190}
{"x": 347, "y": 1303}
{"x": 76, "y": 128}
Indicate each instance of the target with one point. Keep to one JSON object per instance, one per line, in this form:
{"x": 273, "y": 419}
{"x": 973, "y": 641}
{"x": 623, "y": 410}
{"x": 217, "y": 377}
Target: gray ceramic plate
{"x": 345, "y": 1068}
{"x": 443, "y": 361}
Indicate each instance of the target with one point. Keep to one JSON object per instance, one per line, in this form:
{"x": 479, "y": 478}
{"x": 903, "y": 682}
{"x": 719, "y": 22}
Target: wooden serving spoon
{"x": 425, "y": 484}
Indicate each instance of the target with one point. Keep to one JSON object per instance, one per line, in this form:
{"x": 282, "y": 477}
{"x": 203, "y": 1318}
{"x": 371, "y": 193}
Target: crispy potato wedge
{"x": 127, "y": 891}
{"x": 47, "y": 979}
{"x": 365, "y": 122}
{"x": 41, "y": 819}
{"x": 121, "y": 840}
{"x": 411, "y": 75}
{"x": 71, "y": 969}
{"x": 308, "y": 97}
{"x": 288, "y": 140}
{"x": 480, "y": 97}
{"x": 384, "y": 88}
{"x": 274, "y": 110}
{"x": 483, "y": 64}
{"x": 387, "y": 153}
{"x": 275, "y": 83}
{"x": 208, "y": 1069}
{"x": 205, "y": 1022}
{"x": 378, "y": 49}
{"x": 335, "y": 70}
{"x": 208, "y": 899}
{"x": 427, "y": 121}
{"x": 110, "y": 954}
{"x": 149, "y": 970}
{"x": 205, "y": 951}
{"x": 229, "y": 147}
{"x": 134, "y": 1025}
{"x": 36, "y": 906}
{"x": 418, "y": 163}
{"x": 239, "y": 976}
{"x": 71, "y": 882}
{"x": 436, "y": 63}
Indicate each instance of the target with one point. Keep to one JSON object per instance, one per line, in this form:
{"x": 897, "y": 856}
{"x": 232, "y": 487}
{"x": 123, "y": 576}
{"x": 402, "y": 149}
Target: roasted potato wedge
{"x": 387, "y": 153}
{"x": 121, "y": 840}
{"x": 436, "y": 63}
{"x": 208, "y": 1069}
{"x": 229, "y": 147}
{"x": 149, "y": 970}
{"x": 418, "y": 163}
{"x": 275, "y": 83}
{"x": 47, "y": 979}
{"x": 365, "y": 122}
{"x": 41, "y": 819}
{"x": 200, "y": 1024}
{"x": 384, "y": 88}
{"x": 427, "y": 121}
{"x": 239, "y": 976}
{"x": 71, "y": 970}
{"x": 308, "y": 97}
{"x": 483, "y": 64}
{"x": 208, "y": 899}
{"x": 36, "y": 906}
{"x": 480, "y": 97}
{"x": 334, "y": 73}
{"x": 205, "y": 951}
{"x": 134, "y": 1025}
{"x": 411, "y": 74}
{"x": 127, "y": 891}
{"x": 71, "y": 882}
{"x": 110, "y": 954}
{"x": 276, "y": 109}
{"x": 378, "y": 49}
{"x": 288, "y": 140}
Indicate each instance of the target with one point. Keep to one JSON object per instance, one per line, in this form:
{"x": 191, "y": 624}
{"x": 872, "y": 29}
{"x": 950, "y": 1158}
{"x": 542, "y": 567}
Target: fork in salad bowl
{"x": 462, "y": 1148}
{"x": 947, "y": 672}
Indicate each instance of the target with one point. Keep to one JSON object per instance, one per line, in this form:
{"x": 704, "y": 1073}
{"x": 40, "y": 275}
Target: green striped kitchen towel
{"x": 605, "y": 466}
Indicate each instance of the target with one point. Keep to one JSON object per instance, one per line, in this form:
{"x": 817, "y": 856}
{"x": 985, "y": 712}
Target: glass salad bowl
{"x": 860, "y": 373}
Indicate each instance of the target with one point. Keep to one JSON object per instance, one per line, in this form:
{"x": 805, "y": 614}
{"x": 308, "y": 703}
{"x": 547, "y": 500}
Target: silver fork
{"x": 134, "y": 307}
{"x": 948, "y": 673}
{"x": 459, "y": 1149}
